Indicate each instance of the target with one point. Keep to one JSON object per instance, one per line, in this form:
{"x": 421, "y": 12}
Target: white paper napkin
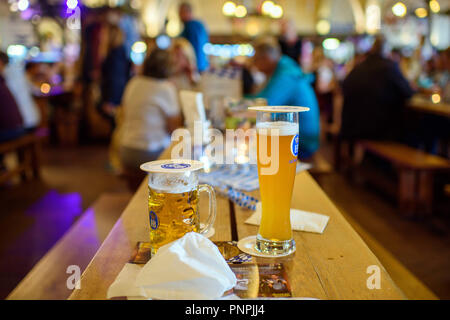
{"x": 124, "y": 286}
{"x": 191, "y": 267}
{"x": 300, "y": 220}
{"x": 192, "y": 106}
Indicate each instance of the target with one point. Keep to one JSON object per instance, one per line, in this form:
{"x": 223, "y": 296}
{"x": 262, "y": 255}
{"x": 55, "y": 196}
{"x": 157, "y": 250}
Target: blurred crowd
{"x": 363, "y": 98}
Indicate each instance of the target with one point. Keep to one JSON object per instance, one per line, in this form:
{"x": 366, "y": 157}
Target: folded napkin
{"x": 191, "y": 267}
{"x": 300, "y": 220}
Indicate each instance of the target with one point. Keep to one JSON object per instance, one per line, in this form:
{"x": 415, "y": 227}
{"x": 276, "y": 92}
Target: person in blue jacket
{"x": 116, "y": 71}
{"x": 195, "y": 32}
{"x": 287, "y": 85}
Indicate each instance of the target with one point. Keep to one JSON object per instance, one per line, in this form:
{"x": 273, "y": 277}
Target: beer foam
{"x": 173, "y": 183}
{"x": 284, "y": 128}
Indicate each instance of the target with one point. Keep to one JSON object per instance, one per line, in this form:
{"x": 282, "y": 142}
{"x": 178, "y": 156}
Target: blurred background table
{"x": 59, "y": 115}
{"x": 421, "y": 103}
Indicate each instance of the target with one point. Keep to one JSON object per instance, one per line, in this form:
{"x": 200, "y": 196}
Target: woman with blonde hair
{"x": 186, "y": 73}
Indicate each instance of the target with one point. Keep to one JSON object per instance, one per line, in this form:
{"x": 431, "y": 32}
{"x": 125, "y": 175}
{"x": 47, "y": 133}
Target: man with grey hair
{"x": 287, "y": 85}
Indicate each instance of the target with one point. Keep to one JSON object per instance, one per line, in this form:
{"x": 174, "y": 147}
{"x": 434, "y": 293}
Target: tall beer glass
{"x": 173, "y": 200}
{"x": 277, "y": 131}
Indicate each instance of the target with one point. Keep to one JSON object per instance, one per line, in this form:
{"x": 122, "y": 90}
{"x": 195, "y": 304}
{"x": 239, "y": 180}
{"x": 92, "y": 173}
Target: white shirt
{"x": 20, "y": 89}
{"x": 146, "y": 103}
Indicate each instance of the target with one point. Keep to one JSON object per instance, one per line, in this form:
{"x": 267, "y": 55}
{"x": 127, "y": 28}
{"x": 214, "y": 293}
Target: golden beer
{"x": 171, "y": 216}
{"x": 277, "y": 135}
{"x": 173, "y": 195}
{"x": 276, "y": 188}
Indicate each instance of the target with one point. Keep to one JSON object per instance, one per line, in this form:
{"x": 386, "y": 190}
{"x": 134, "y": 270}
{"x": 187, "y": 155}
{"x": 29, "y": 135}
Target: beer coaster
{"x": 141, "y": 253}
{"x": 261, "y": 280}
{"x": 248, "y": 244}
{"x": 172, "y": 166}
{"x": 231, "y": 253}
{"x": 278, "y": 109}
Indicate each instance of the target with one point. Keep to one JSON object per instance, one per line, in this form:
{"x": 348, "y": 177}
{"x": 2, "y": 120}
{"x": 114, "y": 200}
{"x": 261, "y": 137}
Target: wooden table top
{"x": 423, "y": 104}
{"x": 332, "y": 265}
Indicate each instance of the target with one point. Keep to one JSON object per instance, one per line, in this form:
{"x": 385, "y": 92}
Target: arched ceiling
{"x": 304, "y": 13}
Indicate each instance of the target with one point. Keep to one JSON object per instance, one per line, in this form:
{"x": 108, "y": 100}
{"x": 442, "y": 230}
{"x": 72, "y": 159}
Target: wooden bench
{"x": 47, "y": 280}
{"x": 416, "y": 170}
{"x": 28, "y": 149}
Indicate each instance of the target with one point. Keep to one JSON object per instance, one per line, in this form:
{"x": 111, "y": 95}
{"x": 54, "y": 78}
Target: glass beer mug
{"x": 173, "y": 200}
{"x": 277, "y": 133}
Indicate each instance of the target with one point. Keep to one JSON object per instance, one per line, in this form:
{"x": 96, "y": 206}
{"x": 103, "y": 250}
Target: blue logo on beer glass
{"x": 294, "y": 145}
{"x": 175, "y": 166}
{"x": 153, "y": 220}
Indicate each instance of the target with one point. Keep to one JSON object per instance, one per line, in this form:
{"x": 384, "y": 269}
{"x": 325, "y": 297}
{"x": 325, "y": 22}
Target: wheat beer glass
{"x": 277, "y": 132}
{"x": 173, "y": 200}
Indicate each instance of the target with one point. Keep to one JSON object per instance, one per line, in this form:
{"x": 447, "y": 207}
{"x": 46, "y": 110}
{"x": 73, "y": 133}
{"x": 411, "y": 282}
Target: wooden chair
{"x": 416, "y": 170}
{"x": 28, "y": 149}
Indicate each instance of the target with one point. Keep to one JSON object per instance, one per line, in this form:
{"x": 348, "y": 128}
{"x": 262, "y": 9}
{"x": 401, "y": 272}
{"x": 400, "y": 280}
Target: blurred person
{"x": 396, "y": 55}
{"x": 127, "y": 23}
{"x": 290, "y": 43}
{"x": 116, "y": 69}
{"x": 248, "y": 81}
{"x": 439, "y": 70}
{"x": 414, "y": 66}
{"x": 92, "y": 46}
{"x": 50, "y": 43}
{"x": 151, "y": 112}
{"x": 324, "y": 84}
{"x": 445, "y": 55}
{"x": 287, "y": 85}
{"x": 36, "y": 73}
{"x": 11, "y": 122}
{"x": 185, "y": 75}
{"x": 374, "y": 92}
{"x": 195, "y": 32}
{"x": 403, "y": 63}
{"x": 21, "y": 88}
{"x": 431, "y": 132}
{"x": 427, "y": 79}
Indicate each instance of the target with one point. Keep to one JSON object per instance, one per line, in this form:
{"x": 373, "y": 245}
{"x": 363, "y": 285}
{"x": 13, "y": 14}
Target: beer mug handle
{"x": 212, "y": 207}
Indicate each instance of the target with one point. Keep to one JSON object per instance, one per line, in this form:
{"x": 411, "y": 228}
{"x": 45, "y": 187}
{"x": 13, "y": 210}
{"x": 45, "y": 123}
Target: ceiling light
{"x": 229, "y": 8}
{"x": 399, "y": 9}
{"x": 241, "y": 11}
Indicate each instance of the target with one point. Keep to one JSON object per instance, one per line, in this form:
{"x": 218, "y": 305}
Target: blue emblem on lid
{"x": 154, "y": 223}
{"x": 175, "y": 166}
{"x": 294, "y": 145}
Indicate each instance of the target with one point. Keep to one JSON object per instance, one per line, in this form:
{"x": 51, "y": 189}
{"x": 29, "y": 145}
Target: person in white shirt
{"x": 20, "y": 87}
{"x": 151, "y": 111}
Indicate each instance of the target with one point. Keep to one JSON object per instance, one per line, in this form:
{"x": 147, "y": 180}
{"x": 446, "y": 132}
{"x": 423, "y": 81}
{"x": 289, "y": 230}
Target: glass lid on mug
{"x": 172, "y": 166}
{"x": 278, "y": 109}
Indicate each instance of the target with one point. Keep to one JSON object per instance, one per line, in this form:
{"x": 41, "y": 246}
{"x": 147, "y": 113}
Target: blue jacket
{"x": 195, "y": 32}
{"x": 115, "y": 74}
{"x": 289, "y": 86}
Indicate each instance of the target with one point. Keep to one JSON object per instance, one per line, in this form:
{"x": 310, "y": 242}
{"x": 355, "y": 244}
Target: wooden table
{"x": 423, "y": 104}
{"x": 332, "y": 265}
